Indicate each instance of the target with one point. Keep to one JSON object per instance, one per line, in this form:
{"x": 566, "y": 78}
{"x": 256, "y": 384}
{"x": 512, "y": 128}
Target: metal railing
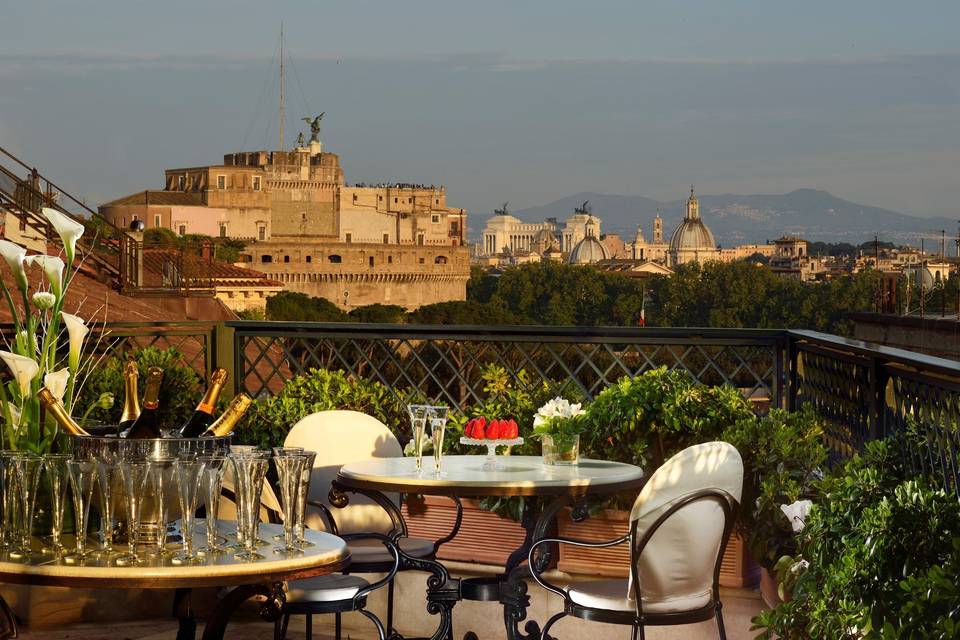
{"x": 862, "y": 390}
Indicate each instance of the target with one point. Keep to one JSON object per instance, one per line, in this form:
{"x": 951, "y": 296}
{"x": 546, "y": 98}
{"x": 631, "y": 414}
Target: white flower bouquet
{"x": 558, "y": 423}
{"x": 35, "y": 356}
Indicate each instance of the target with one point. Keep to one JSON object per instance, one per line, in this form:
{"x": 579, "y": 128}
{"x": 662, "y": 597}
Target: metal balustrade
{"x": 862, "y": 390}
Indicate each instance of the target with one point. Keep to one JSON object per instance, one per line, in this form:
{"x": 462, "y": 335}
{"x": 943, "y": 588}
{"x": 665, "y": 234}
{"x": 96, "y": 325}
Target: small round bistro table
{"x": 465, "y": 476}
{"x": 261, "y": 577}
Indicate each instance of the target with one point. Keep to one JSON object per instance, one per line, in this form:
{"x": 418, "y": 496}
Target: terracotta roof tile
{"x": 161, "y": 198}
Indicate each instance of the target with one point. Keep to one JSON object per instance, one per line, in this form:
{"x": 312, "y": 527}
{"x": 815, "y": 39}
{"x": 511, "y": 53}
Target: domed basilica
{"x": 693, "y": 241}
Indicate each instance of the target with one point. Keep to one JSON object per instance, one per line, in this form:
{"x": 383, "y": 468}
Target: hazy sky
{"x": 525, "y": 101}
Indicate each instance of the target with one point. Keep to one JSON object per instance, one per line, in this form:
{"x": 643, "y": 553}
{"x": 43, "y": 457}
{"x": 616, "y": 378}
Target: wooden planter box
{"x": 484, "y": 537}
{"x": 736, "y": 570}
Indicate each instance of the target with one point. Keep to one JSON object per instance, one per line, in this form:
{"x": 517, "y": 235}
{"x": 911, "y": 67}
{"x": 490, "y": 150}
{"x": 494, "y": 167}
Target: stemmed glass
{"x": 27, "y": 468}
{"x": 418, "y": 424}
{"x": 438, "y": 424}
{"x": 211, "y": 486}
{"x": 285, "y": 451}
{"x": 82, "y": 475}
{"x": 303, "y": 488}
{"x": 8, "y": 482}
{"x": 249, "y": 472}
{"x": 134, "y": 479}
{"x": 289, "y": 465}
{"x": 158, "y": 471}
{"x": 107, "y": 474}
{"x": 189, "y": 471}
{"x": 55, "y": 467}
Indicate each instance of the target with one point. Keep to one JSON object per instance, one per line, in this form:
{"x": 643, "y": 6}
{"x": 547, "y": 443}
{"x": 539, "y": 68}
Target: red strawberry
{"x": 482, "y": 420}
{"x": 478, "y": 429}
{"x": 493, "y": 431}
{"x": 468, "y": 428}
{"x": 513, "y": 430}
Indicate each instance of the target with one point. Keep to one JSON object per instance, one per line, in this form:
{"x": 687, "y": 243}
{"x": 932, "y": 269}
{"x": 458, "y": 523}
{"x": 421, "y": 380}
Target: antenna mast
{"x": 281, "y": 87}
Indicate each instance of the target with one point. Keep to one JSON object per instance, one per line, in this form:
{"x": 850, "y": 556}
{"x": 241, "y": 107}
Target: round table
{"x": 261, "y": 577}
{"x": 464, "y": 476}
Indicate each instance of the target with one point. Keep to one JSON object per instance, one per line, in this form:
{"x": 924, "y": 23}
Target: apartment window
{"x": 156, "y": 219}
{"x": 421, "y": 260}
{"x": 380, "y": 198}
{"x": 223, "y": 229}
{"x": 221, "y": 182}
{"x": 437, "y": 201}
{"x": 454, "y": 227}
{"x": 183, "y": 229}
{"x": 389, "y": 259}
{"x": 309, "y": 259}
{"x": 395, "y": 201}
{"x": 354, "y": 197}
{"x": 370, "y": 261}
{"x": 256, "y": 183}
{"x": 409, "y": 200}
{"x": 286, "y": 258}
{"x": 266, "y": 258}
{"x": 386, "y": 238}
{"x": 349, "y": 238}
{"x": 181, "y": 182}
{"x": 262, "y": 233}
{"x": 440, "y": 260}
{"x": 435, "y": 218}
{"x": 335, "y": 259}
{"x": 420, "y": 238}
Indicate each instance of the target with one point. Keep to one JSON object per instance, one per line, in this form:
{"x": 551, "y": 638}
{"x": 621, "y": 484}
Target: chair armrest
{"x": 394, "y": 551}
{"x": 578, "y": 543}
{"x": 456, "y": 526}
{"x": 326, "y": 515}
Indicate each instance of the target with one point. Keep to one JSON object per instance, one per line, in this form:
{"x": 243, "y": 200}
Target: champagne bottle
{"x": 131, "y": 397}
{"x": 203, "y": 415}
{"x": 227, "y": 422}
{"x": 147, "y": 424}
{"x": 56, "y": 409}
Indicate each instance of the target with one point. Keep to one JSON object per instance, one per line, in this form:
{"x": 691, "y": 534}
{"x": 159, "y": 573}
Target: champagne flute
{"x": 27, "y": 468}
{"x": 158, "y": 470}
{"x": 418, "y": 424}
{"x": 189, "y": 472}
{"x": 134, "y": 479}
{"x": 303, "y": 489}
{"x": 107, "y": 475}
{"x": 212, "y": 485}
{"x": 82, "y": 476}
{"x": 289, "y": 467}
{"x": 55, "y": 468}
{"x": 438, "y": 425}
{"x": 249, "y": 472}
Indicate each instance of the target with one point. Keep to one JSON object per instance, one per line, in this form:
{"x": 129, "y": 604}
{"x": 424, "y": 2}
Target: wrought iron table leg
{"x": 183, "y": 612}
{"x": 8, "y": 622}
{"x": 513, "y": 590}
{"x": 270, "y": 610}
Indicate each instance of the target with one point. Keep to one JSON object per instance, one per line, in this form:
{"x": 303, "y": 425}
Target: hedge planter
{"x": 484, "y": 537}
{"x": 736, "y": 570}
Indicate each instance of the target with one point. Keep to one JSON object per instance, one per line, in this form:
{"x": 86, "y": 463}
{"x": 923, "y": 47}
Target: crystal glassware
{"x": 55, "y": 471}
{"x": 289, "y": 466}
{"x": 82, "y": 475}
{"x": 249, "y": 472}
{"x": 418, "y": 425}
{"x": 27, "y": 468}
{"x": 134, "y": 480}
{"x": 8, "y": 483}
{"x": 108, "y": 472}
{"x": 438, "y": 425}
{"x": 303, "y": 489}
{"x": 158, "y": 472}
{"x": 189, "y": 473}
{"x": 211, "y": 486}
{"x": 281, "y": 451}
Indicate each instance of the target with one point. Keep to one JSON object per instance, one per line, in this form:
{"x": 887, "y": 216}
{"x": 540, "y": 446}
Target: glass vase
{"x": 561, "y": 450}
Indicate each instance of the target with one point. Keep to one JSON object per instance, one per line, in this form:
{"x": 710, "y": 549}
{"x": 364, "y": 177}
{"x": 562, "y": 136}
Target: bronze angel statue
{"x": 314, "y": 127}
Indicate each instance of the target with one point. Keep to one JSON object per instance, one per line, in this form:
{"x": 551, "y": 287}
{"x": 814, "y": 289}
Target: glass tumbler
{"x": 55, "y": 471}
{"x": 82, "y": 476}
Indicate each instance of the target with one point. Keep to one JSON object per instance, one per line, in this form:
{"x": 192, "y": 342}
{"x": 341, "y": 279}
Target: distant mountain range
{"x": 745, "y": 219}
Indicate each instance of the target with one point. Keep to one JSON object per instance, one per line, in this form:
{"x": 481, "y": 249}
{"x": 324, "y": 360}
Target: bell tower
{"x": 693, "y": 206}
{"x": 658, "y": 229}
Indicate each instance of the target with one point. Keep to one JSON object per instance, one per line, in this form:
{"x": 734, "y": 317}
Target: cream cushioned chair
{"x": 341, "y": 437}
{"x": 679, "y": 527}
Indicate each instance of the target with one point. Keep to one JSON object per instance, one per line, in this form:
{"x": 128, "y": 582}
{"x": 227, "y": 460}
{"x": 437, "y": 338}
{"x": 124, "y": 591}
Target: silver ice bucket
{"x": 98, "y": 447}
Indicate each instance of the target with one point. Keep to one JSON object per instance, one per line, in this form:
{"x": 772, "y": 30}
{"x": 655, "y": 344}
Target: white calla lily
{"x": 56, "y": 383}
{"x": 24, "y": 370}
{"x": 15, "y": 255}
{"x": 67, "y": 228}
{"x": 53, "y": 269}
{"x": 77, "y": 331}
{"x": 797, "y": 513}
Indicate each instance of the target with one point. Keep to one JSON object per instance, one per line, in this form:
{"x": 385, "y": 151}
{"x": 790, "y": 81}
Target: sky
{"x": 521, "y": 101}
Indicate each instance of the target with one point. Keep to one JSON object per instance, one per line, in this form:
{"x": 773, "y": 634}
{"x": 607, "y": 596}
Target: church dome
{"x": 543, "y": 237}
{"x": 588, "y": 251}
{"x": 692, "y": 234}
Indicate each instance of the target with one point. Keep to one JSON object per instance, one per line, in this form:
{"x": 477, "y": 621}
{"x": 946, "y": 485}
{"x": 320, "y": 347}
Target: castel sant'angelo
{"x": 305, "y": 227}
